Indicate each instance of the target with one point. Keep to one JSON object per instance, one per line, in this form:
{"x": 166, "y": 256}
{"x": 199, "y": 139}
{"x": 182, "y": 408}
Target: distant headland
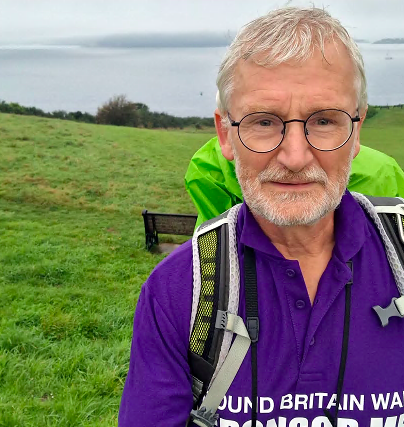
{"x": 168, "y": 40}
{"x": 390, "y": 41}
{"x": 152, "y": 40}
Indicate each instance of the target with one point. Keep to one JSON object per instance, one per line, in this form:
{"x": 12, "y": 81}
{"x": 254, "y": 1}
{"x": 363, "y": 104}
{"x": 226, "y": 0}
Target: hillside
{"x": 385, "y": 132}
{"x": 73, "y": 258}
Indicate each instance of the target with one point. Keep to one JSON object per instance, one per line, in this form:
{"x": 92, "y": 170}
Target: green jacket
{"x": 212, "y": 184}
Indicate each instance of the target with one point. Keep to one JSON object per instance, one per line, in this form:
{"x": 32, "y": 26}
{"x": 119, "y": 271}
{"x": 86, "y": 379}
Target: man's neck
{"x": 311, "y": 245}
{"x": 303, "y": 240}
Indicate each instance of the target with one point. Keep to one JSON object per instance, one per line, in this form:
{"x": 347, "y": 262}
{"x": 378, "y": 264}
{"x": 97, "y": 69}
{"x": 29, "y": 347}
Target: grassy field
{"x": 385, "y": 132}
{"x": 72, "y": 257}
{"x": 73, "y": 260}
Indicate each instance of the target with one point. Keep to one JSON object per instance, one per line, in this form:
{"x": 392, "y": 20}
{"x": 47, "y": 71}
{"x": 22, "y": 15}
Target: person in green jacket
{"x": 212, "y": 184}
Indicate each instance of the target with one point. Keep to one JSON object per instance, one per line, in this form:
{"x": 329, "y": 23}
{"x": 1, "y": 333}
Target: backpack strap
{"x": 388, "y": 215}
{"x": 391, "y": 213}
{"x": 214, "y": 305}
{"x": 253, "y": 325}
{"x": 205, "y": 416}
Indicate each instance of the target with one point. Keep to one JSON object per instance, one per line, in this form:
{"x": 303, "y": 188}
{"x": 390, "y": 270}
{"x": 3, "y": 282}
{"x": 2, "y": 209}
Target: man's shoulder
{"x": 171, "y": 281}
{"x": 180, "y": 254}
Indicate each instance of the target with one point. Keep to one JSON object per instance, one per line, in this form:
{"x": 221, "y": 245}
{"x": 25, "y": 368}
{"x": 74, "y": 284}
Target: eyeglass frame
{"x": 355, "y": 119}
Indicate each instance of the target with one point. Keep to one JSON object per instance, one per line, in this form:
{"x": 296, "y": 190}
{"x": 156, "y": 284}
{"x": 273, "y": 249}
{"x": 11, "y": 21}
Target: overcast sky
{"x": 41, "y": 20}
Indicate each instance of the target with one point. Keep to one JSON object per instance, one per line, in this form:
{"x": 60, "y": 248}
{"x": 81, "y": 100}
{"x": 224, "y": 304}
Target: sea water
{"x": 178, "y": 81}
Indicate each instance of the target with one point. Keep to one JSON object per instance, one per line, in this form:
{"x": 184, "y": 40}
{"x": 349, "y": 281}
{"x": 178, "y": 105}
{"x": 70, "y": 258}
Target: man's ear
{"x": 223, "y": 133}
{"x": 358, "y": 125}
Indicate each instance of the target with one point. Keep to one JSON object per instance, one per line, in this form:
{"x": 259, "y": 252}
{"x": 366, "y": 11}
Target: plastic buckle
{"x": 385, "y": 313}
{"x": 221, "y": 319}
{"x": 203, "y": 418}
{"x": 253, "y": 328}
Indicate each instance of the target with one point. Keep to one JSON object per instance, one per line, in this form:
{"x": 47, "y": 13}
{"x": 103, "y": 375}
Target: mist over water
{"x": 178, "y": 81}
{"x": 385, "y": 77}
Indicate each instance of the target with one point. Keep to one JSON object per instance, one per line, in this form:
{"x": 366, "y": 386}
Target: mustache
{"x": 309, "y": 174}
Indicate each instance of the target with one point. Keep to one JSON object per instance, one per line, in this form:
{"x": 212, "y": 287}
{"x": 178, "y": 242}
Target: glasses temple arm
{"x": 232, "y": 122}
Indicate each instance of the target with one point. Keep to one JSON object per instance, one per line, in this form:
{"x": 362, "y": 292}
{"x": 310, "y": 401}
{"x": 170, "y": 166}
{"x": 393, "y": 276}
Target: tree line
{"x": 117, "y": 111}
{"x": 15, "y": 108}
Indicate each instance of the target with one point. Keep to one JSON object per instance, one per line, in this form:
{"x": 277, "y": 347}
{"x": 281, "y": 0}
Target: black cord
{"x": 344, "y": 352}
{"x": 251, "y": 297}
{"x": 254, "y": 378}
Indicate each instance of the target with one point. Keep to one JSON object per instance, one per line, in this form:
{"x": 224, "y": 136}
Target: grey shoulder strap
{"x": 373, "y": 211}
{"x": 229, "y": 217}
{"x": 377, "y": 208}
{"x": 394, "y": 207}
{"x": 230, "y": 356}
{"x": 205, "y": 416}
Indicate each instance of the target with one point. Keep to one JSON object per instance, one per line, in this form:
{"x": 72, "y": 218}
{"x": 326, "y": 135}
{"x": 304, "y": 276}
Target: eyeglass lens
{"x": 325, "y": 130}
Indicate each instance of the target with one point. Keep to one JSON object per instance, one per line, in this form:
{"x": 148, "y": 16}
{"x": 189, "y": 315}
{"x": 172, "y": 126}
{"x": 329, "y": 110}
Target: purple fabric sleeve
{"x": 158, "y": 386}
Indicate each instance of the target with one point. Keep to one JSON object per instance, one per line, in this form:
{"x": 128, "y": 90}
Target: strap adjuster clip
{"x": 253, "y": 328}
{"x": 203, "y": 418}
{"x": 221, "y": 320}
{"x": 390, "y": 311}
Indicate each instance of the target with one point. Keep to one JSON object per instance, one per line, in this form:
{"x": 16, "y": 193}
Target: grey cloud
{"x": 30, "y": 21}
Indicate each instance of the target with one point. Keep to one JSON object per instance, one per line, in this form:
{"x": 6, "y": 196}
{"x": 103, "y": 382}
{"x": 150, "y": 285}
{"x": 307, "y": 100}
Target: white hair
{"x": 282, "y": 35}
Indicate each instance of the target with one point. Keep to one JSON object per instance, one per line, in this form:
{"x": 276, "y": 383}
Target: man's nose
{"x": 295, "y": 152}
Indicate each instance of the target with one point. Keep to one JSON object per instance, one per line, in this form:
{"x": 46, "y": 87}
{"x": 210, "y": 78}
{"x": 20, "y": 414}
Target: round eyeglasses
{"x": 325, "y": 130}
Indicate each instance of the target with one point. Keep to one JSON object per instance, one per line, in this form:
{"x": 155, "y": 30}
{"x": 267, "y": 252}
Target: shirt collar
{"x": 349, "y": 222}
{"x": 351, "y": 228}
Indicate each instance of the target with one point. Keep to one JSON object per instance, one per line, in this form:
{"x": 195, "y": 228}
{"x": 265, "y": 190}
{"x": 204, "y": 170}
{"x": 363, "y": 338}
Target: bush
{"x": 118, "y": 111}
{"x": 59, "y": 114}
{"x": 372, "y": 111}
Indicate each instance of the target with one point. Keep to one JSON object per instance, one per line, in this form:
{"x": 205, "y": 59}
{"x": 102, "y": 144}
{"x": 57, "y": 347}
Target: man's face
{"x": 295, "y": 184}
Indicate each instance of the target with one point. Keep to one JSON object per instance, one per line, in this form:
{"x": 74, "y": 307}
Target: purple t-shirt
{"x": 299, "y": 347}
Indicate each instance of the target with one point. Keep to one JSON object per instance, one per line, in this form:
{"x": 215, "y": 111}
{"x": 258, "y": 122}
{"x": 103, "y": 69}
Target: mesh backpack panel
{"x": 202, "y": 333}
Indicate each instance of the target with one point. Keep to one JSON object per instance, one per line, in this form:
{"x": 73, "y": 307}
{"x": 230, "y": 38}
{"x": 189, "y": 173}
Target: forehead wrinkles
{"x": 252, "y": 88}
{"x": 336, "y": 76}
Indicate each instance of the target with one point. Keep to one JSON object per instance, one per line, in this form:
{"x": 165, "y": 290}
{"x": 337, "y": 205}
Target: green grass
{"x": 73, "y": 260}
{"x": 72, "y": 257}
{"x": 385, "y": 132}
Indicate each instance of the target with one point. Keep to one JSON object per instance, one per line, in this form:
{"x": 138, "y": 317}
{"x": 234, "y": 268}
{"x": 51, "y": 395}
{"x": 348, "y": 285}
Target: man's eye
{"x": 265, "y": 123}
{"x": 323, "y": 122}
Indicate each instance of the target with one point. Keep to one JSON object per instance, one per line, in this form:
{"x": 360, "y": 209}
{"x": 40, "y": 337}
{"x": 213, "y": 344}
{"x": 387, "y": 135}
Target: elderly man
{"x": 292, "y": 100}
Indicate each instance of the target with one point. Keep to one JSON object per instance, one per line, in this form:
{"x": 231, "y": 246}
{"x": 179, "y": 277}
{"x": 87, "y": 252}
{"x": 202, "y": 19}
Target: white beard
{"x": 291, "y": 208}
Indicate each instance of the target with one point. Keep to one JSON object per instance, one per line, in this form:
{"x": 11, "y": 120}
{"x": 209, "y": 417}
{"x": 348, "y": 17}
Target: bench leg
{"x": 151, "y": 240}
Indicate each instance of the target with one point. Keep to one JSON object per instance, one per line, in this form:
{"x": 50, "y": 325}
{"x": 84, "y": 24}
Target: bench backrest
{"x": 162, "y": 223}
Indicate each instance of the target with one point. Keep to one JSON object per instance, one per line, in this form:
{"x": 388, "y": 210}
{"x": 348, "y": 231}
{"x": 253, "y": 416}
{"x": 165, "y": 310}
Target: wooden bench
{"x": 163, "y": 223}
